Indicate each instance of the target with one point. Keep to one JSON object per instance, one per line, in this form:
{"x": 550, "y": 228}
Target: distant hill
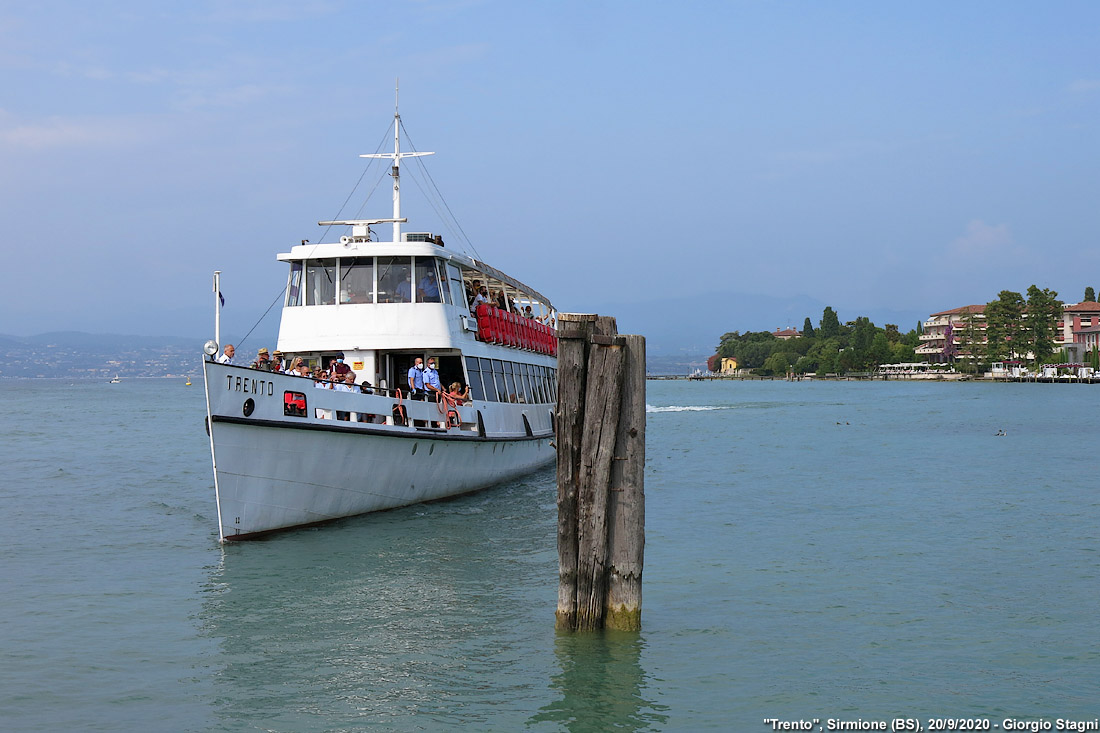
{"x": 79, "y": 355}
{"x": 101, "y": 341}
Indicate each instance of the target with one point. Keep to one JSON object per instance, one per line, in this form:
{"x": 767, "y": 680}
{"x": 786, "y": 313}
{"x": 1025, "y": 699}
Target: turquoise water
{"x": 823, "y": 550}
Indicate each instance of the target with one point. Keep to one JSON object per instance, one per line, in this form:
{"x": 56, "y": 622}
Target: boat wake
{"x": 686, "y": 408}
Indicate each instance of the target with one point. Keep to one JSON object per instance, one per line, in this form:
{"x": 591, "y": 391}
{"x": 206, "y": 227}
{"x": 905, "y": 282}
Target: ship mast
{"x": 395, "y": 171}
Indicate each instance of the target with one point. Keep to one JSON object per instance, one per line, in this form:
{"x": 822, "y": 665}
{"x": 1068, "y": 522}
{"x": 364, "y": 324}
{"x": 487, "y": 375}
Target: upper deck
{"x": 360, "y": 294}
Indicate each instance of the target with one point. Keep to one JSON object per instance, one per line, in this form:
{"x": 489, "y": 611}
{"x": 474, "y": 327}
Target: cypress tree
{"x": 830, "y": 324}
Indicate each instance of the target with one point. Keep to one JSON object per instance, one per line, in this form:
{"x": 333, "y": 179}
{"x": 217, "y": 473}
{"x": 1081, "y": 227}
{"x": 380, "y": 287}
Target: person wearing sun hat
{"x": 263, "y": 360}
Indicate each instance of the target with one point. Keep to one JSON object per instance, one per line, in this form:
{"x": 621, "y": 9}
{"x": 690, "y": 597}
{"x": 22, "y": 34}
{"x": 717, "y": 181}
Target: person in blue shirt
{"x": 428, "y": 289}
{"x": 403, "y": 292}
{"x": 432, "y": 387}
{"x": 431, "y": 379}
{"x": 416, "y": 380}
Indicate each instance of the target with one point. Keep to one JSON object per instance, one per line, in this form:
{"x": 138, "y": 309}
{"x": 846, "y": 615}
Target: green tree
{"x": 892, "y": 333}
{"x": 777, "y": 363}
{"x": 1044, "y": 315}
{"x": 880, "y": 349}
{"x": 830, "y": 324}
{"x": 902, "y": 353}
{"x": 1004, "y": 326}
{"x": 1090, "y": 295}
{"x": 825, "y": 353}
{"x": 807, "y": 329}
{"x": 863, "y": 335}
{"x": 750, "y": 349}
{"x": 805, "y": 364}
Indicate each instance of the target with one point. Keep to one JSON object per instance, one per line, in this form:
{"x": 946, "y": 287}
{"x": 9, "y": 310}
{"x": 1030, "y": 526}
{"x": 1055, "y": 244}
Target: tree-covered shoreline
{"x": 832, "y": 348}
{"x": 1009, "y": 327}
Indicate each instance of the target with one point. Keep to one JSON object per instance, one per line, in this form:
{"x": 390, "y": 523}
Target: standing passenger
{"x": 416, "y": 380}
{"x": 227, "y": 355}
{"x": 431, "y": 384}
{"x": 431, "y": 379}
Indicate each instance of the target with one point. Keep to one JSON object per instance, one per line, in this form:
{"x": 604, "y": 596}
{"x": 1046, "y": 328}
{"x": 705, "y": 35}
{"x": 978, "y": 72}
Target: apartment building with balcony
{"x": 953, "y": 334}
{"x": 1080, "y": 331}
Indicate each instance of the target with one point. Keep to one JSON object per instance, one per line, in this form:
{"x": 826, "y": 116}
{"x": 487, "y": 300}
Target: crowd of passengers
{"x": 479, "y": 293}
{"x": 423, "y": 382}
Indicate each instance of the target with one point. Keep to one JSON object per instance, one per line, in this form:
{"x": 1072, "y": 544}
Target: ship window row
{"x": 368, "y": 280}
{"x": 497, "y": 380}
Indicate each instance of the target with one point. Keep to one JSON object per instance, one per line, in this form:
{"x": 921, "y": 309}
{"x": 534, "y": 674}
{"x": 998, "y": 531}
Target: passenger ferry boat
{"x": 288, "y": 453}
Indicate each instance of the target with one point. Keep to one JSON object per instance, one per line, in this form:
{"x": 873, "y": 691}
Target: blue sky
{"x": 732, "y": 164}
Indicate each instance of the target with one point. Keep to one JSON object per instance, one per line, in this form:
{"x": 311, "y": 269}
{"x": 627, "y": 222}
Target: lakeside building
{"x": 953, "y": 334}
{"x": 1080, "y": 331}
{"x": 959, "y": 333}
{"x": 787, "y": 334}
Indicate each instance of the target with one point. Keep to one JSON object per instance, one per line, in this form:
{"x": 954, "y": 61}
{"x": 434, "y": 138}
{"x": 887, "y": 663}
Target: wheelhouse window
{"x": 427, "y": 281}
{"x": 321, "y": 282}
{"x": 444, "y": 287}
{"x": 394, "y": 279}
{"x": 357, "y": 280}
{"x": 294, "y": 288}
{"x": 457, "y": 288}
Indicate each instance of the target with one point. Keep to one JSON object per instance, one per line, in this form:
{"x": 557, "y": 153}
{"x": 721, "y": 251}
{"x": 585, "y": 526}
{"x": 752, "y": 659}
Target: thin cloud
{"x": 238, "y": 96}
{"x": 1084, "y": 86}
{"x": 64, "y": 132}
{"x": 269, "y": 11}
{"x": 96, "y": 73}
{"x": 983, "y": 240}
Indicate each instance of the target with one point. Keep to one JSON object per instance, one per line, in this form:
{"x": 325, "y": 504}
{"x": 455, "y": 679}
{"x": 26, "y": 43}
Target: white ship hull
{"x": 274, "y": 472}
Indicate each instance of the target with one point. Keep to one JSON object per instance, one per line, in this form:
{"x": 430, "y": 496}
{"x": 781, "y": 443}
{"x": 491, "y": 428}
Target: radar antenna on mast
{"x": 395, "y": 171}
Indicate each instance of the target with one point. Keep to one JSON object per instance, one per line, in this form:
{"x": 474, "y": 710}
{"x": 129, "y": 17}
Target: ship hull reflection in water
{"x": 443, "y": 612}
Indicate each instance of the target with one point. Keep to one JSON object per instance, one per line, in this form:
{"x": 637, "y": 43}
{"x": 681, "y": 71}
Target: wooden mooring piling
{"x": 601, "y": 460}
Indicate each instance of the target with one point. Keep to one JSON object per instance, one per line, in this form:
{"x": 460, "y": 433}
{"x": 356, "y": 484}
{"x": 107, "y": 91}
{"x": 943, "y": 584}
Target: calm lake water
{"x": 829, "y": 550}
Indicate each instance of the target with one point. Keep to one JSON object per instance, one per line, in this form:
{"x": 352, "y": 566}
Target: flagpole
{"x": 218, "y": 307}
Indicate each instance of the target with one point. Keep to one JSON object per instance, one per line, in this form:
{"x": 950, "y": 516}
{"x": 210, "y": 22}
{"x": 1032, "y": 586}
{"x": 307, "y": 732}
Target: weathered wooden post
{"x": 626, "y": 506}
{"x": 601, "y": 458}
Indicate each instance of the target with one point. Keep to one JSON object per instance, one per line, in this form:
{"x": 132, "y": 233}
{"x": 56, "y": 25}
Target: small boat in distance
{"x": 116, "y": 380}
{"x": 289, "y": 449}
